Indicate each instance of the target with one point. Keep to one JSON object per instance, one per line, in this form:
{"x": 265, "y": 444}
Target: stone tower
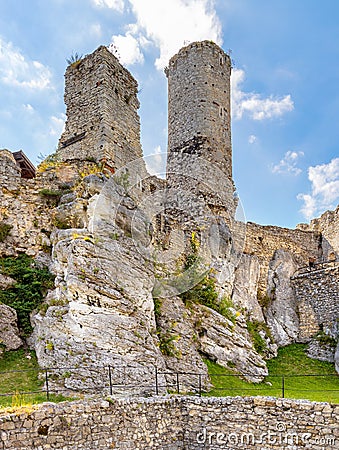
{"x": 101, "y": 107}
{"x": 199, "y": 124}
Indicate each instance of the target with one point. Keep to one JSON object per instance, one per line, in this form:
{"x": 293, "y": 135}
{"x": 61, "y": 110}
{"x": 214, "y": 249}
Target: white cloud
{"x": 95, "y": 30}
{"x": 118, "y": 5}
{"x": 56, "y": 125}
{"x": 16, "y": 70}
{"x": 169, "y": 25}
{"x": 252, "y": 139}
{"x": 156, "y": 163}
{"x": 28, "y": 108}
{"x": 324, "y": 179}
{"x": 288, "y": 165}
{"x": 126, "y": 49}
{"x": 253, "y": 104}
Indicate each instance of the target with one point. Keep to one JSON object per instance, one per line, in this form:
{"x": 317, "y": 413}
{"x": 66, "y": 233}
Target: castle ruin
{"x": 103, "y": 311}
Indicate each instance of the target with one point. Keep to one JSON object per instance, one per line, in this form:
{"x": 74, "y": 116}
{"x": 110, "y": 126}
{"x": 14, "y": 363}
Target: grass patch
{"x": 27, "y": 380}
{"x": 312, "y": 379}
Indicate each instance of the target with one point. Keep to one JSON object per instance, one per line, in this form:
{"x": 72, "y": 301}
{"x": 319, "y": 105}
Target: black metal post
{"x": 199, "y": 384}
{"x": 156, "y": 382}
{"x": 283, "y": 387}
{"x": 178, "y": 389}
{"x": 110, "y": 380}
{"x": 47, "y": 387}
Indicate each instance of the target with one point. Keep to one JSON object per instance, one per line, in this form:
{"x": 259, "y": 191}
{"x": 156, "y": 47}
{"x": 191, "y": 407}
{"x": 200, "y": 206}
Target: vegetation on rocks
{"x": 5, "y": 230}
{"x": 32, "y": 284}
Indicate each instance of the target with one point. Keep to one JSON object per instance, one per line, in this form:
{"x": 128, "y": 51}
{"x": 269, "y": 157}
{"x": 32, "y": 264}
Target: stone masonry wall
{"x": 102, "y": 120}
{"x": 317, "y": 294}
{"x": 199, "y": 100}
{"x": 175, "y": 423}
{"x": 328, "y": 225}
{"x": 199, "y": 163}
{"x": 22, "y": 207}
{"x": 263, "y": 241}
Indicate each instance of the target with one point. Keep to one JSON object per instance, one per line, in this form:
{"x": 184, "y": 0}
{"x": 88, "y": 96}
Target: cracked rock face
{"x": 9, "y": 333}
{"x": 101, "y": 313}
{"x": 336, "y": 358}
{"x": 281, "y": 314}
{"x": 102, "y": 310}
{"x": 246, "y": 286}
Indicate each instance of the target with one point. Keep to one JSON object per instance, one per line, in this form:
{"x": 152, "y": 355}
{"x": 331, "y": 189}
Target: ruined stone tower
{"x": 199, "y": 124}
{"x": 102, "y": 121}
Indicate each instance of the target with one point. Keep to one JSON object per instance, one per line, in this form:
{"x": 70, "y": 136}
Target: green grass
{"x": 291, "y": 360}
{"x": 18, "y": 383}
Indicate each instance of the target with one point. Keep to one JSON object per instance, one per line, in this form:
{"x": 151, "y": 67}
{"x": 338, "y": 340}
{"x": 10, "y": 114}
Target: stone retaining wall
{"x": 317, "y": 294}
{"x": 174, "y": 423}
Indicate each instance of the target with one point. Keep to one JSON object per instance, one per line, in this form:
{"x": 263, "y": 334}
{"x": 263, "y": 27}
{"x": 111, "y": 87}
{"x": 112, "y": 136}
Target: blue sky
{"x": 285, "y": 84}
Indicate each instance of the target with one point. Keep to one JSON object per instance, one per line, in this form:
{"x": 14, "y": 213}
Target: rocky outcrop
{"x": 10, "y": 338}
{"x": 336, "y": 358}
{"x": 281, "y": 313}
{"x": 245, "y": 287}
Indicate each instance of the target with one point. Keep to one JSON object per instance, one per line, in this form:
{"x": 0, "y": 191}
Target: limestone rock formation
{"x": 282, "y": 313}
{"x": 245, "y": 287}
{"x": 336, "y": 358}
{"x": 10, "y": 338}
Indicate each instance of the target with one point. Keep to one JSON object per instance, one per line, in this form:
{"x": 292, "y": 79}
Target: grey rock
{"x": 281, "y": 315}
{"x": 9, "y": 328}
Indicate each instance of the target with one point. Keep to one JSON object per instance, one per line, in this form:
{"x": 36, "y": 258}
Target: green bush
{"x": 254, "y": 327}
{"x": 5, "y": 230}
{"x": 29, "y": 290}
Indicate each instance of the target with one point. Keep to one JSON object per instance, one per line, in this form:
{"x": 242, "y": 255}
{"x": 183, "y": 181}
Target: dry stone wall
{"x": 263, "y": 241}
{"x": 317, "y": 294}
{"x": 174, "y": 423}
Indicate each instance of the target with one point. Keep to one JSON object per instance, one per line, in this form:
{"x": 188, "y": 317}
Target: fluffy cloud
{"x": 127, "y": 49}
{"x": 56, "y": 125}
{"x": 252, "y": 139}
{"x": 118, "y": 5}
{"x": 169, "y": 26}
{"x": 288, "y": 165}
{"x": 253, "y": 104}
{"x": 156, "y": 163}
{"x": 324, "y": 180}
{"x": 17, "y": 71}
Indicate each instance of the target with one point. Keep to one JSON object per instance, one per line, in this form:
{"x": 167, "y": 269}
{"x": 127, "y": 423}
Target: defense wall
{"x": 174, "y": 423}
{"x": 317, "y": 294}
{"x": 328, "y": 225}
{"x": 263, "y": 241}
{"x": 199, "y": 163}
{"x": 101, "y": 107}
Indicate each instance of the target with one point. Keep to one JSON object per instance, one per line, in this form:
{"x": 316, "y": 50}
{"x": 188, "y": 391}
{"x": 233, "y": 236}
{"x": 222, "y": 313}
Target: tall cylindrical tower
{"x": 199, "y": 124}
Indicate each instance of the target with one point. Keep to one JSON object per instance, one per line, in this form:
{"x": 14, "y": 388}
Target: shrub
{"x": 5, "y": 230}
{"x": 166, "y": 343}
{"x": 31, "y": 287}
{"x": 74, "y": 60}
{"x": 325, "y": 340}
{"x": 259, "y": 343}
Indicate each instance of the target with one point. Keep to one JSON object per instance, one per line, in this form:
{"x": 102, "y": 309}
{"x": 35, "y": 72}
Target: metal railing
{"x": 188, "y": 383}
